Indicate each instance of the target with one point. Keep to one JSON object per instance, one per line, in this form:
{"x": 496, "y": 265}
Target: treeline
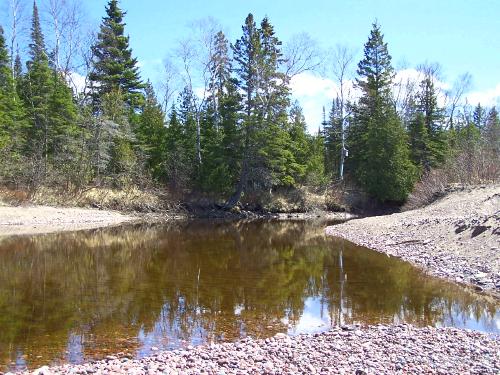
{"x": 243, "y": 136}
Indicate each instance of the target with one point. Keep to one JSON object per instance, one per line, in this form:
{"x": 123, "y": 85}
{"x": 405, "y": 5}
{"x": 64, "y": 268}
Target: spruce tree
{"x": 429, "y": 145}
{"x": 114, "y": 68}
{"x": 492, "y": 133}
{"x": 51, "y": 111}
{"x": 12, "y": 125}
{"x": 333, "y": 141}
{"x": 177, "y": 160}
{"x": 151, "y": 133}
{"x": 35, "y": 91}
{"x": 380, "y": 154}
{"x": 267, "y": 160}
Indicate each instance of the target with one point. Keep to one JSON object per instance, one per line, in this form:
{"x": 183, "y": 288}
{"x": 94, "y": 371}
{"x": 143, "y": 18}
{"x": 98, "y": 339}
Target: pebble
{"x": 378, "y": 349}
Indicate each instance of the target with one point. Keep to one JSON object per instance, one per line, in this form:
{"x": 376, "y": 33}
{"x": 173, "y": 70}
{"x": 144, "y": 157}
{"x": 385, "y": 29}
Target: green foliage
{"x": 51, "y": 113}
{"x": 151, "y": 134}
{"x": 333, "y": 139}
{"x": 429, "y": 143}
{"x": 114, "y": 68}
{"x": 380, "y": 156}
{"x": 122, "y": 156}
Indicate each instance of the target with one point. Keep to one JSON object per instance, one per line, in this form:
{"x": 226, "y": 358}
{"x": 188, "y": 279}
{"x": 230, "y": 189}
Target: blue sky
{"x": 463, "y": 36}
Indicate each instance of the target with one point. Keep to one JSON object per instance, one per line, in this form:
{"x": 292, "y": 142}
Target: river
{"x": 135, "y": 289}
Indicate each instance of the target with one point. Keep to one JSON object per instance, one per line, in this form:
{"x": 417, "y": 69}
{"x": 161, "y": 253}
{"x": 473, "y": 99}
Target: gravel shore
{"x": 457, "y": 237}
{"x": 379, "y": 349}
{"x": 41, "y": 219}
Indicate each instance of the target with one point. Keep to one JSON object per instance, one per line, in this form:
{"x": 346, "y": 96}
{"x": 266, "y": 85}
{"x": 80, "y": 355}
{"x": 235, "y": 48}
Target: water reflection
{"x": 77, "y": 296}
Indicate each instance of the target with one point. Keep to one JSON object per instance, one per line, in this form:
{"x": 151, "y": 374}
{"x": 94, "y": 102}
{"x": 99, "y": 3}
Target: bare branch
{"x": 301, "y": 55}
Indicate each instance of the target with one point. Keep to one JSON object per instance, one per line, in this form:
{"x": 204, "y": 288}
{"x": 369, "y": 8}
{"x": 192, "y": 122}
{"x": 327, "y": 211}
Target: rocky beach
{"x": 456, "y": 237}
{"x": 378, "y": 349}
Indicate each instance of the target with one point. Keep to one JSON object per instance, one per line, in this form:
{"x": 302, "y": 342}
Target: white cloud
{"x": 77, "y": 82}
{"x": 487, "y": 98}
{"x": 314, "y": 93}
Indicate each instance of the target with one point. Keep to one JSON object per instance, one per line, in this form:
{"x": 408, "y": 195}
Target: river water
{"x": 72, "y": 297}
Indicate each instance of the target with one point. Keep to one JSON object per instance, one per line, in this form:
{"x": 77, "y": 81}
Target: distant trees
{"x": 233, "y": 131}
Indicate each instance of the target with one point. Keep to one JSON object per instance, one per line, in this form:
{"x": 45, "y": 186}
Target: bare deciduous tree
{"x": 65, "y": 19}
{"x": 168, "y": 84}
{"x": 196, "y": 54}
{"x": 16, "y": 16}
{"x": 301, "y": 55}
{"x": 341, "y": 62}
{"x": 454, "y": 96}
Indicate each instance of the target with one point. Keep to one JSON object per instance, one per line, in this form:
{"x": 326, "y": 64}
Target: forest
{"x": 235, "y": 133}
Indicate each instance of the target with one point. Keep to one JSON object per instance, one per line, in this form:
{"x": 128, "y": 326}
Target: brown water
{"x": 79, "y": 296}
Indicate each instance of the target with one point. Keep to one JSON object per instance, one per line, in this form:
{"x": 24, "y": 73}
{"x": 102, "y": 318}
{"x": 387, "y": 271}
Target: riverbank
{"x": 456, "y": 237}
{"x": 34, "y": 219}
{"x": 23, "y": 220}
{"x": 379, "y": 349}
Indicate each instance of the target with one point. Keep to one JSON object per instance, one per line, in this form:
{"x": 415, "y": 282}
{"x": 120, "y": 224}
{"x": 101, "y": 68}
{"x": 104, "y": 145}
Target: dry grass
{"x": 126, "y": 200}
{"x": 465, "y": 169}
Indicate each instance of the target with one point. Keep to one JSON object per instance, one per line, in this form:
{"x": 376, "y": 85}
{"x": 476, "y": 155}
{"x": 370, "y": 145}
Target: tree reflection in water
{"x": 83, "y": 295}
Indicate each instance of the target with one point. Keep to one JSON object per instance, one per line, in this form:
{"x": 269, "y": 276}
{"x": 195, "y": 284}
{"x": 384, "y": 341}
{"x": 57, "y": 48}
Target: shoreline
{"x": 36, "y": 219}
{"x": 455, "y": 238}
{"x": 377, "y": 349}
{"x": 31, "y": 220}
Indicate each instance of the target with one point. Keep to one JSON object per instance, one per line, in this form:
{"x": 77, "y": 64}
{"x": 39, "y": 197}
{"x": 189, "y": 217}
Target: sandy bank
{"x": 400, "y": 349}
{"x": 457, "y": 237}
{"x": 42, "y": 219}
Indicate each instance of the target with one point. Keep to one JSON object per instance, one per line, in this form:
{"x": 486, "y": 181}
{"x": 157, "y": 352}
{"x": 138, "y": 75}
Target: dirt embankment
{"x": 456, "y": 237}
{"x": 42, "y": 219}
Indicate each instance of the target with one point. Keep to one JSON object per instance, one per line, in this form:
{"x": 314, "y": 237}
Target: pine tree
{"x": 151, "y": 133}
{"x": 429, "y": 145}
{"x": 123, "y": 159}
{"x": 380, "y": 155}
{"x": 114, "y": 68}
{"x": 51, "y": 112}
{"x": 419, "y": 141}
{"x": 35, "y": 90}
{"x": 273, "y": 97}
{"x": 12, "y": 124}
{"x": 492, "y": 133}
{"x": 479, "y": 117}
{"x": 267, "y": 160}
{"x": 177, "y": 161}
{"x": 333, "y": 141}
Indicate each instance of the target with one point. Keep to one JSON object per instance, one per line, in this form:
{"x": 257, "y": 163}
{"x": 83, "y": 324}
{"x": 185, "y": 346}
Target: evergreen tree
{"x": 419, "y": 141}
{"x": 479, "y": 117}
{"x": 380, "y": 155}
{"x": 267, "y": 160}
{"x": 492, "y": 133}
{"x": 12, "y": 124}
{"x": 35, "y": 90}
{"x": 274, "y": 100}
{"x": 429, "y": 145}
{"x": 177, "y": 162}
{"x": 333, "y": 141}
{"x": 220, "y": 66}
{"x": 50, "y": 110}
{"x": 151, "y": 133}
{"x": 114, "y": 68}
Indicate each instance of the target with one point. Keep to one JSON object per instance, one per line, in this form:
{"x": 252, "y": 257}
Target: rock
{"x": 42, "y": 371}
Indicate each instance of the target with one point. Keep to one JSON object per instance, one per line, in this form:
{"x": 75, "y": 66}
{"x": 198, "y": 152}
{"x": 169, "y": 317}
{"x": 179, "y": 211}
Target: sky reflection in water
{"x": 71, "y": 297}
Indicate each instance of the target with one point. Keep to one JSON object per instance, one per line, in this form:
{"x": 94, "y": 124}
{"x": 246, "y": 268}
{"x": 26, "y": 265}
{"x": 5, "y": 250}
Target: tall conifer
{"x": 379, "y": 147}
{"x": 114, "y": 68}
